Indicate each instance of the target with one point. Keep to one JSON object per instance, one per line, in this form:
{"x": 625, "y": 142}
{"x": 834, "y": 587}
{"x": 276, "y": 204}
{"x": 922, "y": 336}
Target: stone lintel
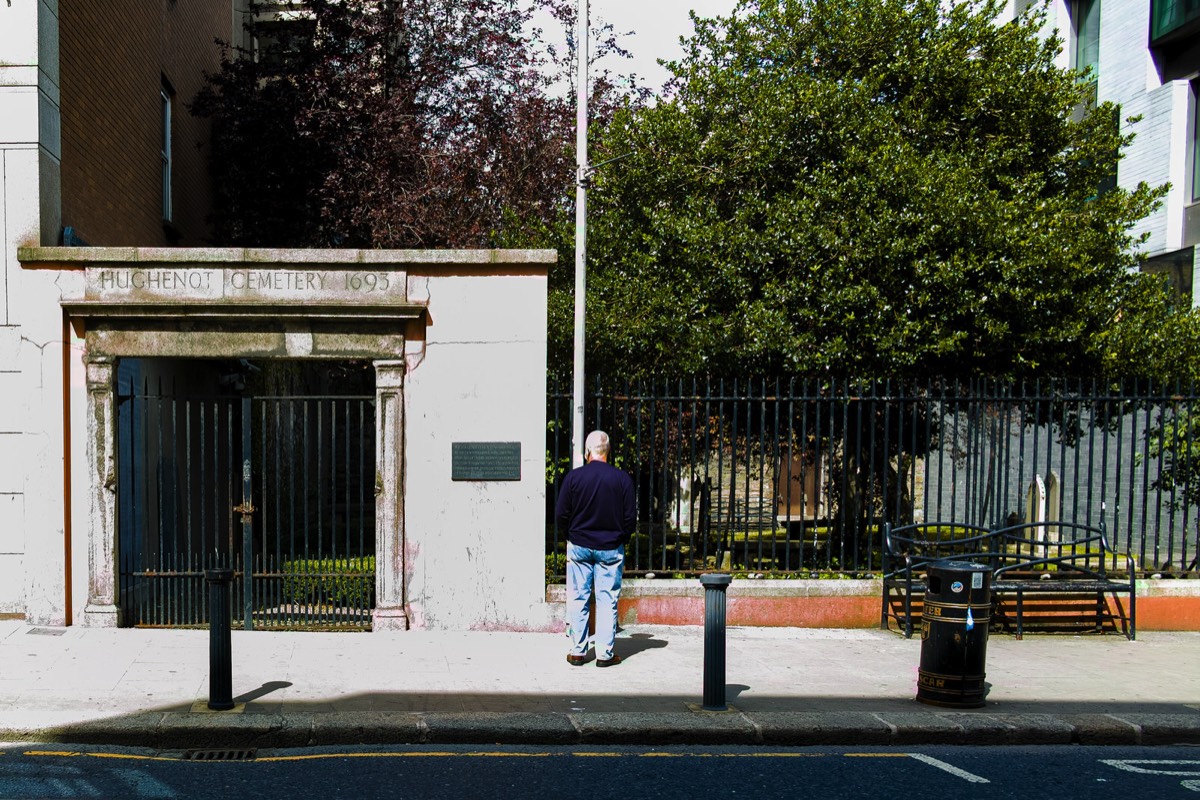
{"x": 180, "y": 341}
{"x": 285, "y": 258}
{"x": 235, "y": 311}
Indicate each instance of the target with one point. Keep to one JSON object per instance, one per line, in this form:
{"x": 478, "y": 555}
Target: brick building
{"x": 97, "y": 148}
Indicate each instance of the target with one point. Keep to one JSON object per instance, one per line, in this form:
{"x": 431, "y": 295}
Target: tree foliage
{"x": 899, "y": 188}
{"x": 398, "y": 123}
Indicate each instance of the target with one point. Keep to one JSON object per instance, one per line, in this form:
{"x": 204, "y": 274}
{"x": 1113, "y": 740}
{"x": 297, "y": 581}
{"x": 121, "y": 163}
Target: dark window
{"x": 1195, "y": 137}
{"x": 1169, "y": 16}
{"x": 165, "y": 93}
{"x": 1085, "y": 18}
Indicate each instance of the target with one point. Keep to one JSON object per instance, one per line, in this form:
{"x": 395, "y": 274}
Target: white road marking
{"x": 953, "y": 770}
{"x": 1133, "y": 765}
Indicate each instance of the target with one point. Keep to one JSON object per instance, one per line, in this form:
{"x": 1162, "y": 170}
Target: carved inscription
{"x": 167, "y": 285}
{"x": 155, "y": 279}
{"x": 277, "y": 281}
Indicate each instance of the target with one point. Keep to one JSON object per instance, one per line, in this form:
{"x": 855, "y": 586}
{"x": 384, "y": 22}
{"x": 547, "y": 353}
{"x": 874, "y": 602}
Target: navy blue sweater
{"x": 596, "y": 506}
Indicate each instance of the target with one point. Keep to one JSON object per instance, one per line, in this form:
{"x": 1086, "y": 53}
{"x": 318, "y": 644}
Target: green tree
{"x": 898, "y": 188}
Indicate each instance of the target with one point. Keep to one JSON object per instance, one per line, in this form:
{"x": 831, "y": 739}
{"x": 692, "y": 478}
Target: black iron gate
{"x": 281, "y": 489}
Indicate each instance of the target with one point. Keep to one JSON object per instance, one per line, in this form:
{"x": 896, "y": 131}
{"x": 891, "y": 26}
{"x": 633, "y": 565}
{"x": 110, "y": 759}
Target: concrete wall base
{"x": 1162, "y": 605}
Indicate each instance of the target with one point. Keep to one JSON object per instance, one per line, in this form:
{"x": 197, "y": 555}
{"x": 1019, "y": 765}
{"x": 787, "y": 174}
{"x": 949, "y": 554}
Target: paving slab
{"x": 783, "y": 686}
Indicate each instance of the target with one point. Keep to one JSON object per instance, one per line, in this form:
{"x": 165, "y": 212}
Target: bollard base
{"x": 696, "y": 708}
{"x": 202, "y": 707}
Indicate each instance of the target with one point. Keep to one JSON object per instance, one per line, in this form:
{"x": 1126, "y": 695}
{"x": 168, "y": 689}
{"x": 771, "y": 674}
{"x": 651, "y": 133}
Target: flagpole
{"x": 581, "y": 177}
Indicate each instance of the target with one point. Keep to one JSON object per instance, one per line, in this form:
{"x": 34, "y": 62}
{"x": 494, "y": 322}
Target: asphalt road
{"x": 34, "y": 772}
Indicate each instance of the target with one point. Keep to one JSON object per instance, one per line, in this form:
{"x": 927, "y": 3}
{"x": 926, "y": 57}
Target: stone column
{"x": 391, "y": 611}
{"x": 101, "y": 608}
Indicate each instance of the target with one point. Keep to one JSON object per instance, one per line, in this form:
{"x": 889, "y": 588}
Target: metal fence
{"x": 279, "y": 489}
{"x": 796, "y": 477}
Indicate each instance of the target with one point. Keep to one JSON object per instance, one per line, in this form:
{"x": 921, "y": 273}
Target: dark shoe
{"x": 576, "y": 661}
{"x": 608, "y": 662}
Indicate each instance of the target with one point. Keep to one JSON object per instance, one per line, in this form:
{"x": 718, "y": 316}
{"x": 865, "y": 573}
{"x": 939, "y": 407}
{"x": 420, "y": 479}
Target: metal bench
{"x": 1033, "y": 560}
{"x": 1049, "y": 559}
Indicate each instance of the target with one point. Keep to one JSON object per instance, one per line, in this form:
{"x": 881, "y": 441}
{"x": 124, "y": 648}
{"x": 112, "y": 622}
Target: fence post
{"x": 714, "y": 640}
{"x": 220, "y": 651}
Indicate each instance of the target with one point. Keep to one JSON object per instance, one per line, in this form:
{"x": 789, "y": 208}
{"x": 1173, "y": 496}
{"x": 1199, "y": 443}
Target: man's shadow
{"x": 637, "y": 643}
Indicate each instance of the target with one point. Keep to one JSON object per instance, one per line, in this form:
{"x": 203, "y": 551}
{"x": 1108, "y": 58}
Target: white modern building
{"x": 1144, "y": 56}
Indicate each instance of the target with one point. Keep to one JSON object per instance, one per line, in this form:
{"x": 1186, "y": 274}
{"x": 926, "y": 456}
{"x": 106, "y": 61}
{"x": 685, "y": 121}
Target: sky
{"x": 654, "y": 28}
{"x": 657, "y": 26}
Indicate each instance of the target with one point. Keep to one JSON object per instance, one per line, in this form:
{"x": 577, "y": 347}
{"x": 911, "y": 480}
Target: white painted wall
{"x": 32, "y": 506}
{"x": 477, "y": 549}
{"x": 32, "y": 411}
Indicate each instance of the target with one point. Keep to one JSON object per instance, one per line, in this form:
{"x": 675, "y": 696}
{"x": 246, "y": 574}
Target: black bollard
{"x": 220, "y": 651}
{"x": 714, "y": 640}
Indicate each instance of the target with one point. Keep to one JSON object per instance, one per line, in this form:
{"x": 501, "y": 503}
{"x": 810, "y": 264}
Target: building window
{"x": 1085, "y": 19}
{"x": 279, "y": 42}
{"x": 1169, "y": 17}
{"x": 1195, "y": 136}
{"x": 167, "y": 210}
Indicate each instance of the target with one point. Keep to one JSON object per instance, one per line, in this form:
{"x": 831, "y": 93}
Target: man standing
{"x": 596, "y": 506}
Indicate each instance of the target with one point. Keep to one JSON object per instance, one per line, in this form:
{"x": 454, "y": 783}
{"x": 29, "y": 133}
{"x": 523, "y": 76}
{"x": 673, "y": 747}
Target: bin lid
{"x": 961, "y": 566}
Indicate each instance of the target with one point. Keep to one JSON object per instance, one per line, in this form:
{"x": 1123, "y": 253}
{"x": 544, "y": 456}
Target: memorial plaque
{"x": 485, "y": 461}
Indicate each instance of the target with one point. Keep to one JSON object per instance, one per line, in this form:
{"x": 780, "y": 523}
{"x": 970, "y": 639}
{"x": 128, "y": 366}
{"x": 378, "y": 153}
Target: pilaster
{"x": 391, "y": 610}
{"x": 101, "y": 609}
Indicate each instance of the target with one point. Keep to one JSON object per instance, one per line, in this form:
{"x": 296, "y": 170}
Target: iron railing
{"x": 796, "y": 477}
{"x": 303, "y": 551}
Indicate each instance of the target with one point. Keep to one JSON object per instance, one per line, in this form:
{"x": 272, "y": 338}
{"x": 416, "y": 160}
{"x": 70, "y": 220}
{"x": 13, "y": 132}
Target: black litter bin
{"x": 954, "y": 632}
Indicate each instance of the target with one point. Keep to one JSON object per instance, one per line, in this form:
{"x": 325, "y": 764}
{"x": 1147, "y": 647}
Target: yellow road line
{"x": 131, "y": 757}
{"x": 581, "y": 754}
{"x": 448, "y": 754}
{"x": 71, "y": 754}
{"x": 598, "y": 755}
{"x": 414, "y": 754}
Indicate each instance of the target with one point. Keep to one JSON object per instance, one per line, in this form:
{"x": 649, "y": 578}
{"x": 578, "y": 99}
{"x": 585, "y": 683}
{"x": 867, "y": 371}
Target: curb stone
{"x": 181, "y": 731}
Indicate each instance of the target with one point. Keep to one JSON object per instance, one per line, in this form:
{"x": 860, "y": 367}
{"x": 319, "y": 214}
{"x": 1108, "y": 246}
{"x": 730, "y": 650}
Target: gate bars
{"x": 284, "y": 485}
{"x": 795, "y": 477}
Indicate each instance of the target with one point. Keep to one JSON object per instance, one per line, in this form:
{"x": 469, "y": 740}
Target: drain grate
{"x": 218, "y": 754}
{"x": 46, "y": 631}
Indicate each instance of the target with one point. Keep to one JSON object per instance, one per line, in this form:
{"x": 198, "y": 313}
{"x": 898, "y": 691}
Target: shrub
{"x": 332, "y": 581}
{"x": 556, "y": 564}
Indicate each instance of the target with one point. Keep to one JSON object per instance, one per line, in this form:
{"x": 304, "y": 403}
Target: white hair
{"x": 597, "y": 443}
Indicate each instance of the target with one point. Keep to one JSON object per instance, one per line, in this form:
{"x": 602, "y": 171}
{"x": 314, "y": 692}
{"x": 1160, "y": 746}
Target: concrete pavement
{"x": 784, "y": 686}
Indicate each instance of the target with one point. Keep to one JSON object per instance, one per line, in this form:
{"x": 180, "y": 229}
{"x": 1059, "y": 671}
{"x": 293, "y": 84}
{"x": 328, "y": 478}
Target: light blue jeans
{"x": 602, "y": 568}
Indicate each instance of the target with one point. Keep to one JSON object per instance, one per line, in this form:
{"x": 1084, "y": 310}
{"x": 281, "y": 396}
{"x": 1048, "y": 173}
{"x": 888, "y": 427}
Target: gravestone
{"x": 1035, "y": 502}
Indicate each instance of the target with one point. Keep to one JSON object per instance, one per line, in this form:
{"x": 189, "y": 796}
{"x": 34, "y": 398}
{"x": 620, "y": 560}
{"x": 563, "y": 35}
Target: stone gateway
{"x": 451, "y": 347}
